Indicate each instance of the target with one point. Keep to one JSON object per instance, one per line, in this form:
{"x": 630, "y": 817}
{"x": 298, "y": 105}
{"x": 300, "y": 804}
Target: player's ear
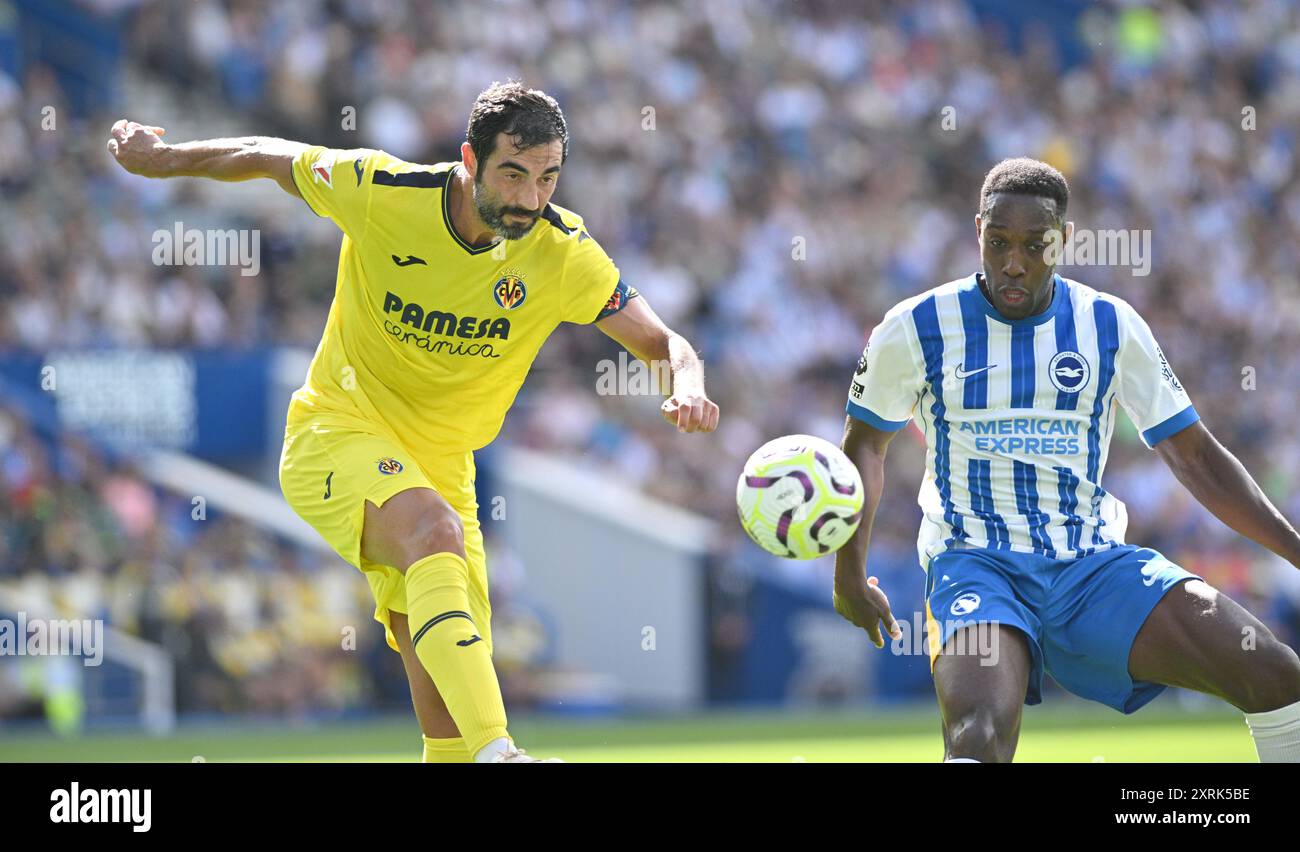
{"x": 1069, "y": 231}
{"x": 467, "y": 157}
{"x": 978, "y": 227}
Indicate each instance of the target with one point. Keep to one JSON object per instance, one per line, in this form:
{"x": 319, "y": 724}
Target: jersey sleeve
{"x": 337, "y": 183}
{"x": 889, "y": 378}
{"x": 1148, "y": 389}
{"x": 593, "y": 286}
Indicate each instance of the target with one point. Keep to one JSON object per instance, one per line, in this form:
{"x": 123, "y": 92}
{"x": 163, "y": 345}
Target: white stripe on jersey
{"x": 1017, "y": 415}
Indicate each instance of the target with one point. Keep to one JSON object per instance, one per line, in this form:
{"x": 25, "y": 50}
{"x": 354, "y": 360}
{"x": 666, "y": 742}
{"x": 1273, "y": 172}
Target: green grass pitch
{"x": 1065, "y": 733}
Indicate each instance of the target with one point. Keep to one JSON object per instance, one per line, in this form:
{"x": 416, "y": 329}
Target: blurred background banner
{"x": 212, "y": 403}
{"x": 772, "y": 175}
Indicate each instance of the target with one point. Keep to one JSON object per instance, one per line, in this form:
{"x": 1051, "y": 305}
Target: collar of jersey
{"x": 1037, "y": 319}
{"x": 446, "y": 218}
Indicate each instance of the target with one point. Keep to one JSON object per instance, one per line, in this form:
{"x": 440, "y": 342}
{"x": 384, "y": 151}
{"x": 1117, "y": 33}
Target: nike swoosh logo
{"x": 1151, "y": 572}
{"x": 465, "y": 643}
{"x": 961, "y": 372}
{"x": 410, "y": 258}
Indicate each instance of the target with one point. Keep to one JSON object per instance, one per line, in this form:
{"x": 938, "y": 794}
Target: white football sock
{"x": 498, "y": 746}
{"x": 961, "y": 760}
{"x": 1277, "y": 734}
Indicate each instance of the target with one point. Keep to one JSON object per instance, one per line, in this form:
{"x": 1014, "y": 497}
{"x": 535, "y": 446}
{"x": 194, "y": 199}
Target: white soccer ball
{"x": 799, "y": 497}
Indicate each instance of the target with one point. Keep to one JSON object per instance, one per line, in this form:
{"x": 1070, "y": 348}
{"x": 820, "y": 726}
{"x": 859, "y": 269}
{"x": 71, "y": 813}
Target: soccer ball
{"x": 799, "y": 497}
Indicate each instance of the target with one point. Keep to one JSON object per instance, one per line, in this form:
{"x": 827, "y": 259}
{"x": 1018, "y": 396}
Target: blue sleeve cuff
{"x": 1172, "y": 426}
{"x": 871, "y": 419}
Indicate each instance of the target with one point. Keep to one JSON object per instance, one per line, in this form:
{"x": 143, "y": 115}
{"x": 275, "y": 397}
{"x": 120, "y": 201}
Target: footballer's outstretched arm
{"x": 638, "y": 329}
{"x": 858, "y": 597}
{"x": 1222, "y": 484}
{"x": 139, "y": 149}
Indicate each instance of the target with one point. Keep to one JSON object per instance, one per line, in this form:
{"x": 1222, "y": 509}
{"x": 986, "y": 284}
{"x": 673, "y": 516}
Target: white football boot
{"x": 517, "y": 755}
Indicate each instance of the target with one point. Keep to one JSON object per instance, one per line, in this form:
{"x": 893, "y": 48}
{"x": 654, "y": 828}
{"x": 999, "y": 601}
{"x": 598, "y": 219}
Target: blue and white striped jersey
{"x": 1017, "y": 414}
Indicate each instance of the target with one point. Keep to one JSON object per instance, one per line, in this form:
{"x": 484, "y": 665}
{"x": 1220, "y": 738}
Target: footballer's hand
{"x": 138, "y": 148}
{"x": 865, "y": 605}
{"x": 691, "y": 412}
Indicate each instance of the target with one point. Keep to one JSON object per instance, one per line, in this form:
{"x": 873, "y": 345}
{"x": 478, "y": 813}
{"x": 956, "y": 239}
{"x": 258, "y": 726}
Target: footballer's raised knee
{"x": 979, "y": 734}
{"x": 411, "y": 526}
{"x": 438, "y": 531}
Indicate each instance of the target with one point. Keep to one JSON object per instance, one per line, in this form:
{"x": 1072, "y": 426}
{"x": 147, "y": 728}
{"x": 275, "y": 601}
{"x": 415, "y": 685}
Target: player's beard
{"x": 493, "y": 214}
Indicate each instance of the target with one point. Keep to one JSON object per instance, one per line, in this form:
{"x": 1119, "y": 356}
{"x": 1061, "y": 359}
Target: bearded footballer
{"x": 450, "y": 279}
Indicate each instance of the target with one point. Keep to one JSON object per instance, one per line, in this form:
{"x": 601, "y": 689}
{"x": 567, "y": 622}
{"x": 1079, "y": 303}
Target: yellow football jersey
{"x": 428, "y": 334}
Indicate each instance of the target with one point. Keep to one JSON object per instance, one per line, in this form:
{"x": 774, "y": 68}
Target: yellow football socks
{"x": 450, "y": 750}
{"x": 450, "y": 649}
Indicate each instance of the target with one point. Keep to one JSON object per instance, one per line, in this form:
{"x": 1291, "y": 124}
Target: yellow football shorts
{"x": 331, "y": 465}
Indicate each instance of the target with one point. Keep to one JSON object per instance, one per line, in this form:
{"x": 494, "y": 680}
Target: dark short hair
{"x": 1023, "y": 176}
{"x": 530, "y": 116}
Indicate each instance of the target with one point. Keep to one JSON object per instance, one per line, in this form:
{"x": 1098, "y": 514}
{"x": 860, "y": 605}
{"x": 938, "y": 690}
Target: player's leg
{"x": 442, "y": 741}
{"x": 418, "y": 532}
{"x": 1126, "y": 622}
{"x": 382, "y": 512}
{"x": 981, "y": 695}
{"x": 984, "y": 647}
{"x": 1198, "y": 638}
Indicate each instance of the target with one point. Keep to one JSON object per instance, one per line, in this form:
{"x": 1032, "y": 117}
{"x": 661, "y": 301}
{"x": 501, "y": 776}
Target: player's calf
{"x": 430, "y": 709}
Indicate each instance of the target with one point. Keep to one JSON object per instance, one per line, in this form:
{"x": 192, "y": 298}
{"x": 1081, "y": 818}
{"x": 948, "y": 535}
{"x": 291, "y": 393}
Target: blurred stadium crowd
{"x": 250, "y": 622}
{"x": 773, "y": 176}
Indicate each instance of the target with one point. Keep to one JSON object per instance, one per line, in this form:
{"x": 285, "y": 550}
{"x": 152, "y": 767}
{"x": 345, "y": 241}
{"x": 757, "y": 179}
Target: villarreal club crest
{"x": 509, "y": 291}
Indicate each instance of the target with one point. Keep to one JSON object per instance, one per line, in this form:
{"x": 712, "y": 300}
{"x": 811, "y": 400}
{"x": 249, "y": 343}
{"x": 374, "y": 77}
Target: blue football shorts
{"x": 1080, "y": 615}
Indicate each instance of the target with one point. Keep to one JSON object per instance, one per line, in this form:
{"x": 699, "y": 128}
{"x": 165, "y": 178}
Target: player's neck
{"x": 469, "y": 226}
